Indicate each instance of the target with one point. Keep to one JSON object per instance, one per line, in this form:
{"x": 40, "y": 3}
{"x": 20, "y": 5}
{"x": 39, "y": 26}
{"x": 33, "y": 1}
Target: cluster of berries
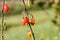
{"x": 25, "y": 20}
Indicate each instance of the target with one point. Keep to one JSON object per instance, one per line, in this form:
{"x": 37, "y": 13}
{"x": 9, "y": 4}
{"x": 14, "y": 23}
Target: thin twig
{"x": 31, "y": 31}
{"x": 2, "y": 28}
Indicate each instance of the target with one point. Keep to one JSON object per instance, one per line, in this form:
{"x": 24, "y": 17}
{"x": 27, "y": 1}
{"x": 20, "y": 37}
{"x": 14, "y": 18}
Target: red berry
{"x": 32, "y": 21}
{"x": 6, "y": 8}
{"x": 24, "y": 21}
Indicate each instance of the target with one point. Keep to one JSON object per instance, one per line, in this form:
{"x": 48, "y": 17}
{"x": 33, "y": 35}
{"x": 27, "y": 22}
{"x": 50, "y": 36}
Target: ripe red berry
{"x": 25, "y": 20}
{"x": 6, "y": 8}
{"x": 32, "y": 21}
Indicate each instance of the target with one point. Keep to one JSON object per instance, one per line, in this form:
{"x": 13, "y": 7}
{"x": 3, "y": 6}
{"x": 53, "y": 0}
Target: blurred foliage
{"x": 54, "y": 21}
{"x": 39, "y": 5}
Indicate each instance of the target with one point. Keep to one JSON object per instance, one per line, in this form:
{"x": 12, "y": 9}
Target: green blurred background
{"x": 46, "y": 26}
